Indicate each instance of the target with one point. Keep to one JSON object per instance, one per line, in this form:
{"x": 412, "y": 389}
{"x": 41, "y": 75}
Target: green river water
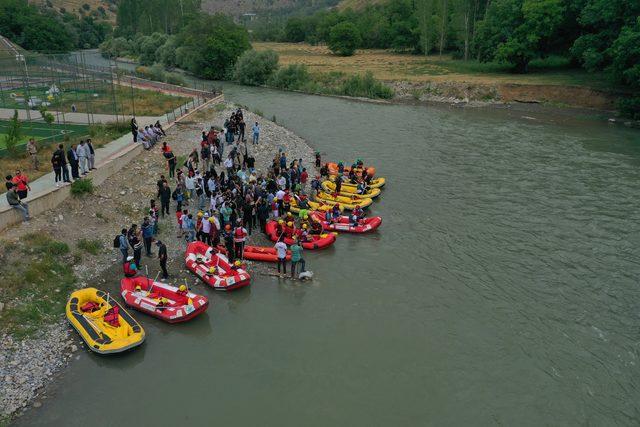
{"x": 501, "y": 289}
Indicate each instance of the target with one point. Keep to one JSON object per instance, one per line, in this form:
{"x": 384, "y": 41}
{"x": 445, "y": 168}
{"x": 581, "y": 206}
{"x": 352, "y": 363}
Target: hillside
{"x": 266, "y": 7}
{"x": 98, "y": 9}
{"x": 357, "y": 4}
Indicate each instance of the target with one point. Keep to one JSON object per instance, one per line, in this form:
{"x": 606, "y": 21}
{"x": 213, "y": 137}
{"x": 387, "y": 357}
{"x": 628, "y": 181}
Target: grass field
{"x": 98, "y": 100}
{"x": 390, "y": 66}
{"x": 42, "y": 131}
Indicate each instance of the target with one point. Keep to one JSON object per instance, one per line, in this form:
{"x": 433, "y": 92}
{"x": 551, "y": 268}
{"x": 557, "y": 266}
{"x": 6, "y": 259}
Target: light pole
{"x": 21, "y": 58}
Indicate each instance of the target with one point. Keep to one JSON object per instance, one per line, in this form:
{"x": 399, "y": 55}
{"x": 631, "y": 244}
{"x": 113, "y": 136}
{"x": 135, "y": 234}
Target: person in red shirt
{"x": 304, "y": 176}
{"x": 21, "y": 182}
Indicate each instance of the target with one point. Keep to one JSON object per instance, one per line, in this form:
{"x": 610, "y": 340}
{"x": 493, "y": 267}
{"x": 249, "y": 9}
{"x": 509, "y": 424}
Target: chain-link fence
{"x": 74, "y": 95}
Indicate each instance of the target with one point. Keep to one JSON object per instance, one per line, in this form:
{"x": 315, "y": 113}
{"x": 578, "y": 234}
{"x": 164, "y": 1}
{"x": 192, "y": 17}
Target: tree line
{"x": 598, "y": 35}
{"x": 207, "y": 46}
{"x": 47, "y": 30}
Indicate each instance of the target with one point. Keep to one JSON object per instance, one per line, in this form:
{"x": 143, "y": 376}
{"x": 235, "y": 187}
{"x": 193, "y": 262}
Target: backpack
{"x": 116, "y": 241}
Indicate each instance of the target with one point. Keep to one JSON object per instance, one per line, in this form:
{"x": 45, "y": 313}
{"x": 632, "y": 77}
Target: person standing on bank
{"x": 134, "y": 129}
{"x": 56, "y": 163}
{"x": 72, "y": 156}
{"x": 256, "y": 133}
{"x": 92, "y": 155}
{"x": 162, "y": 256}
{"x": 165, "y": 198}
{"x": 32, "y": 150}
{"x": 83, "y": 157}
{"x": 21, "y": 182}
{"x": 63, "y": 162}
{"x": 124, "y": 245}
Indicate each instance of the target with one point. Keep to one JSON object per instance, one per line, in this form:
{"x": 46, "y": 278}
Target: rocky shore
{"x": 27, "y": 365}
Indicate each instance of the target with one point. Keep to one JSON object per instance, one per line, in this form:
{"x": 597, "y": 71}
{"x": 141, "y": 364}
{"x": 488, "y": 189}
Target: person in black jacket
{"x": 162, "y": 256}
{"x": 165, "y": 198}
{"x": 73, "y": 161}
{"x": 59, "y": 153}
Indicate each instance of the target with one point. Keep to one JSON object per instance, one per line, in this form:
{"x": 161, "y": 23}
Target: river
{"x": 501, "y": 289}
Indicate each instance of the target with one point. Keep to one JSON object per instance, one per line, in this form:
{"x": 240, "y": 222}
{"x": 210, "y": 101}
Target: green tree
{"x": 13, "y": 135}
{"x": 255, "y": 68}
{"x": 344, "y": 39}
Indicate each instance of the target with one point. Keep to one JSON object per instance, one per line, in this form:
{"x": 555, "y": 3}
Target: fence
{"x": 78, "y": 93}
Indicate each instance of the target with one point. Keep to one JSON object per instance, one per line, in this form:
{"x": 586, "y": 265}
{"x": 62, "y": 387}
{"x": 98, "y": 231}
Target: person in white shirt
{"x": 83, "y": 157}
{"x": 211, "y": 185}
{"x": 228, "y": 163}
{"x": 281, "y": 249}
{"x": 190, "y": 185}
{"x": 282, "y": 182}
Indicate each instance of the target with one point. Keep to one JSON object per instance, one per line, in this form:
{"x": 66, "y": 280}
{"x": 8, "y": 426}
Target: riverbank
{"x": 28, "y": 364}
{"x": 440, "y": 79}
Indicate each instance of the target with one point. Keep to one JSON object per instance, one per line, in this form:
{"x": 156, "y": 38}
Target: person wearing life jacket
{"x": 236, "y": 265}
{"x": 304, "y": 233}
{"x": 286, "y": 201}
{"x": 212, "y": 271}
{"x": 340, "y": 169}
{"x": 352, "y": 176}
{"x": 328, "y": 216}
{"x": 358, "y": 212}
{"x": 239, "y": 239}
{"x": 316, "y": 226}
{"x": 130, "y": 268}
{"x": 324, "y": 170}
{"x": 280, "y": 227}
{"x": 303, "y": 204}
{"x": 336, "y": 212}
{"x": 162, "y": 303}
{"x": 289, "y": 229}
{"x": 182, "y": 290}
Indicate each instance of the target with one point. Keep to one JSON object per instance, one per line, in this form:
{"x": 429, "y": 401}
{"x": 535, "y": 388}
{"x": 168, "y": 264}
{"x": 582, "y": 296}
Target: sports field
{"x": 43, "y": 132}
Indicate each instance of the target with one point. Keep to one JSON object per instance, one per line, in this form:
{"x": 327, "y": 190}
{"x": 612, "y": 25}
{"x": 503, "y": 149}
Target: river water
{"x": 501, "y": 289}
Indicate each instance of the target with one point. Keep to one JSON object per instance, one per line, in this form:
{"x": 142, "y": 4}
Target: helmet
{"x": 290, "y": 224}
{"x": 183, "y": 288}
{"x": 280, "y": 221}
{"x": 289, "y": 214}
{"x": 304, "y": 226}
{"x": 305, "y": 216}
{"x": 212, "y": 270}
{"x": 138, "y": 288}
{"x": 200, "y": 214}
{"x": 164, "y": 300}
{"x": 238, "y": 263}
{"x": 227, "y": 227}
{"x": 212, "y": 220}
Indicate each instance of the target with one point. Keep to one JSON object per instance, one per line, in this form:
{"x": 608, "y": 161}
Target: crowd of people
{"x": 220, "y": 198}
{"x": 147, "y": 136}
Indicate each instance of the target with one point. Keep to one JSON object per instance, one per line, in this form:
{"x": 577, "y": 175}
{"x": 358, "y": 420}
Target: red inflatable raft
{"x": 214, "y": 268}
{"x": 343, "y": 224}
{"x": 161, "y": 300}
{"x": 320, "y": 241}
{"x": 259, "y": 253}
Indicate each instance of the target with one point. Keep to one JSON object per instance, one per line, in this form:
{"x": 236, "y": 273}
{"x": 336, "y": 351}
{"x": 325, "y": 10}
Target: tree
{"x": 210, "y": 46}
{"x": 13, "y": 134}
{"x": 255, "y": 68}
{"x": 295, "y": 30}
{"x": 517, "y": 31}
{"x": 344, "y": 39}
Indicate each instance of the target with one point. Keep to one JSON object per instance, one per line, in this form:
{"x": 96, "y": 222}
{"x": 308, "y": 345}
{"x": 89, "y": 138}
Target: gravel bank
{"x": 26, "y": 366}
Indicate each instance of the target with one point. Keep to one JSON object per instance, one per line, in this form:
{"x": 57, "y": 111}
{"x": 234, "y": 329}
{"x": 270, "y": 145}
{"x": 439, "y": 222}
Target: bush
{"x": 630, "y": 107}
{"x": 344, "y": 39}
{"x": 367, "y": 86}
{"x": 91, "y": 246}
{"x": 291, "y": 77}
{"x": 156, "y": 72}
{"x": 13, "y": 134}
{"x": 255, "y": 68}
{"x": 82, "y": 186}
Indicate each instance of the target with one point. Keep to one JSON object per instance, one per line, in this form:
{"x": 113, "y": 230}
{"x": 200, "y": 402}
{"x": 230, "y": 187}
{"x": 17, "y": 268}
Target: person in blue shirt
{"x": 124, "y": 245}
{"x": 296, "y": 257}
{"x": 256, "y": 133}
{"x": 147, "y": 235}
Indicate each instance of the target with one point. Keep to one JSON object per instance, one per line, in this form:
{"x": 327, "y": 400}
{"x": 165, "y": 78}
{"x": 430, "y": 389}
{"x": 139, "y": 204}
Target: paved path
{"x": 80, "y": 118}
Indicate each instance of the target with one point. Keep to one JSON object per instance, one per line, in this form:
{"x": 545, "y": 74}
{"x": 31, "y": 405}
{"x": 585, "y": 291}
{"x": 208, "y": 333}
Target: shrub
{"x": 13, "y": 134}
{"x": 292, "y": 77}
{"x": 82, "y": 186}
{"x": 367, "y": 86}
{"x": 255, "y": 68}
{"x": 91, "y": 246}
{"x": 630, "y": 107}
{"x": 344, "y": 38}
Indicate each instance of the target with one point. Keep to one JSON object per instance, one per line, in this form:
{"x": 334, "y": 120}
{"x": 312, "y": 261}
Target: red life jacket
{"x": 112, "y": 316}
{"x": 128, "y": 271}
{"x": 239, "y": 234}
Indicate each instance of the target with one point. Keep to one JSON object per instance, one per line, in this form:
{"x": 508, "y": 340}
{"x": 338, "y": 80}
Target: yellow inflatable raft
{"x": 375, "y": 183}
{"x": 102, "y": 323}
{"x": 348, "y": 203}
{"x": 348, "y": 191}
{"x": 321, "y": 205}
